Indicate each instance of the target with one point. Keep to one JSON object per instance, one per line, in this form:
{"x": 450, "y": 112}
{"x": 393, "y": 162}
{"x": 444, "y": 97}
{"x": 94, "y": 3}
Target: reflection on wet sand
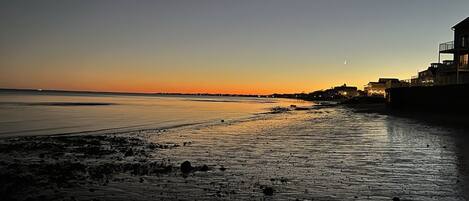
{"x": 323, "y": 154}
{"x": 329, "y": 154}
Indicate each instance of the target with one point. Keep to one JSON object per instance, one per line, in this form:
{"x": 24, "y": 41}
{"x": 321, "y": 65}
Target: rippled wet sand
{"x": 328, "y": 154}
{"x": 321, "y": 154}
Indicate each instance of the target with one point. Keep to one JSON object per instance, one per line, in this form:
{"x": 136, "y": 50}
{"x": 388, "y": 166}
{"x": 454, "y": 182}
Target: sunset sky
{"x": 219, "y": 46}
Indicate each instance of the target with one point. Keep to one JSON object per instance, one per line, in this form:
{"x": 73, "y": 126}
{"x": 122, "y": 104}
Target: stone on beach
{"x": 129, "y": 152}
{"x": 186, "y": 167}
{"x": 268, "y": 191}
{"x": 204, "y": 168}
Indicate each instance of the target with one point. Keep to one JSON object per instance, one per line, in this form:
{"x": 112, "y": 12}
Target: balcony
{"x": 447, "y": 47}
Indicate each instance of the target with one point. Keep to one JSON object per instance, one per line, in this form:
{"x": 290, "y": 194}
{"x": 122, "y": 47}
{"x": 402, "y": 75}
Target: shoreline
{"x": 232, "y": 160}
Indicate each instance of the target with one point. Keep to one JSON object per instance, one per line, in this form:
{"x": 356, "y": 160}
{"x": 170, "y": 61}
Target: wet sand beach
{"x": 326, "y": 153}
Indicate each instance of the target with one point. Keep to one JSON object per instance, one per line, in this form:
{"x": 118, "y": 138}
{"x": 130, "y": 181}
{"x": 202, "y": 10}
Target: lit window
{"x": 464, "y": 60}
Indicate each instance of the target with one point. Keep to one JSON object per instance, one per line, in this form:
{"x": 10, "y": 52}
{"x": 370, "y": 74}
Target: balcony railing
{"x": 448, "y": 46}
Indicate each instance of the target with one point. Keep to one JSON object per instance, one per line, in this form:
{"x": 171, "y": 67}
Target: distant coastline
{"x": 128, "y": 93}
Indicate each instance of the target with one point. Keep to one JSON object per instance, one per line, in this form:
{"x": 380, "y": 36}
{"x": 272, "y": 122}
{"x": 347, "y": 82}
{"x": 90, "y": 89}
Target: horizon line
{"x": 132, "y": 93}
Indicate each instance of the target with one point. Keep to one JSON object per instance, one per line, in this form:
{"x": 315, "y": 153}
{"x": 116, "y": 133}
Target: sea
{"x": 30, "y": 113}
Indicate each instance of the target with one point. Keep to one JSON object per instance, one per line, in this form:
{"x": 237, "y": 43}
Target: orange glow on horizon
{"x": 194, "y": 85}
{"x": 192, "y": 89}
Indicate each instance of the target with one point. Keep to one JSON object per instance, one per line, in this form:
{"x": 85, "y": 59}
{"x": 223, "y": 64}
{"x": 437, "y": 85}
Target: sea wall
{"x": 450, "y": 98}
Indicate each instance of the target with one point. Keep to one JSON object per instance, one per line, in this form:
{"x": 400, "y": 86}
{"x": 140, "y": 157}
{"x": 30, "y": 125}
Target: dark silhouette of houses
{"x": 443, "y": 86}
{"x": 342, "y": 92}
{"x": 345, "y": 91}
{"x": 456, "y": 71}
{"x": 379, "y": 88}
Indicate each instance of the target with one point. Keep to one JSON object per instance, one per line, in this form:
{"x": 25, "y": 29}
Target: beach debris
{"x": 70, "y": 161}
{"x": 222, "y": 120}
{"x": 269, "y": 191}
{"x": 186, "y": 167}
{"x": 396, "y": 199}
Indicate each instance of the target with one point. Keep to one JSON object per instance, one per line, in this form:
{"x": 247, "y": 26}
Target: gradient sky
{"x": 219, "y": 46}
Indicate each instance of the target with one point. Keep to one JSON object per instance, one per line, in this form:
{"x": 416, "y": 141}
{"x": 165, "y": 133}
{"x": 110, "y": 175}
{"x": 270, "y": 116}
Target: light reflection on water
{"x": 59, "y": 113}
{"x": 326, "y": 154}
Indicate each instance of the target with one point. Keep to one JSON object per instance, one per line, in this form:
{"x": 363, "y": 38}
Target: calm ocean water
{"x": 41, "y": 113}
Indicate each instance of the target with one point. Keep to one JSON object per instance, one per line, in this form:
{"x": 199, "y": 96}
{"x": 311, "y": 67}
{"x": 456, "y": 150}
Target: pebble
{"x": 268, "y": 191}
{"x": 186, "y": 167}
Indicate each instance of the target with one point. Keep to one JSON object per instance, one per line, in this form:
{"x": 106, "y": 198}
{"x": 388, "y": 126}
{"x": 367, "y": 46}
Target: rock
{"x": 396, "y": 199}
{"x": 222, "y": 120}
{"x": 204, "y": 168}
{"x": 129, "y": 152}
{"x": 186, "y": 167}
{"x": 268, "y": 191}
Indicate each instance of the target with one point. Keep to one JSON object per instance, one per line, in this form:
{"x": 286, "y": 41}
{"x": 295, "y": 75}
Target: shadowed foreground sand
{"x": 321, "y": 154}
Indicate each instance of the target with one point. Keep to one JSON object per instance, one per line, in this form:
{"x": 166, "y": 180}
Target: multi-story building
{"x": 438, "y": 89}
{"x": 456, "y": 71}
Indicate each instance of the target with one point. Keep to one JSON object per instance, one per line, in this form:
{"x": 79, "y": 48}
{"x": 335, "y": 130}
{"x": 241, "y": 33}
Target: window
{"x": 463, "y": 61}
{"x": 464, "y": 41}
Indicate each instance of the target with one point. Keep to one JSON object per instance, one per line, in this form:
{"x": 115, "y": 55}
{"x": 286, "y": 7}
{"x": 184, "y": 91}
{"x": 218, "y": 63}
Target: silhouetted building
{"x": 443, "y": 85}
{"x": 346, "y": 91}
{"x": 335, "y": 93}
{"x": 427, "y": 77}
{"x": 457, "y": 71}
{"x": 379, "y": 88}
